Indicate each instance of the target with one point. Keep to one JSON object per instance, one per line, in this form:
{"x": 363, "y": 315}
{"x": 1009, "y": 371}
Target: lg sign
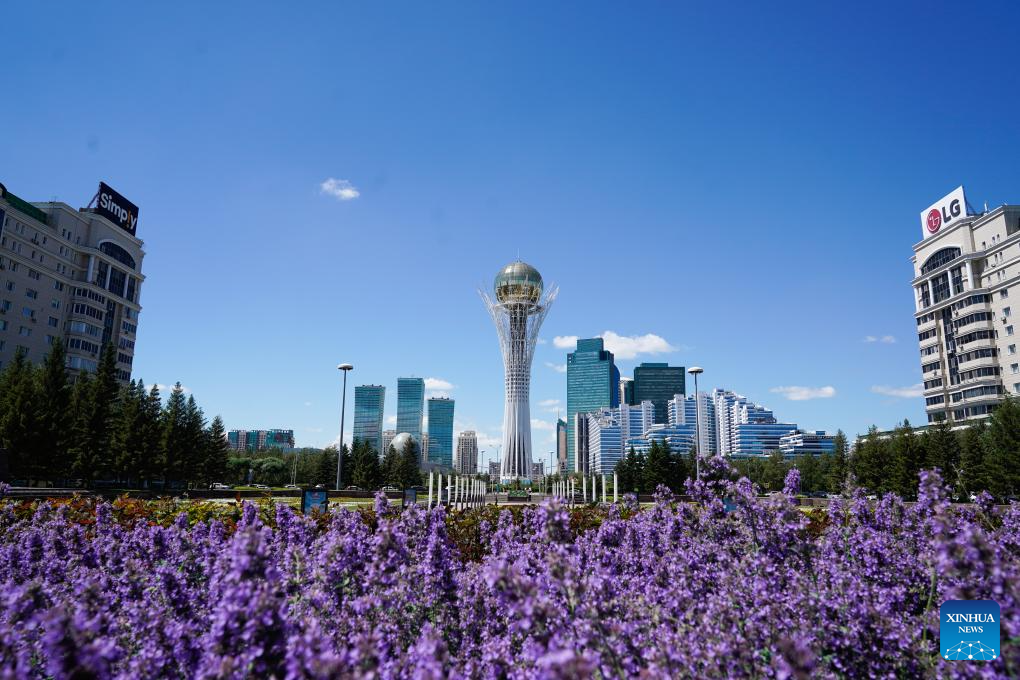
{"x": 944, "y": 213}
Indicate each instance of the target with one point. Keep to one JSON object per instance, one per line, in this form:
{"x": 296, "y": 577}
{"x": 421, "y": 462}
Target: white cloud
{"x": 887, "y": 339}
{"x": 870, "y": 338}
{"x": 433, "y": 384}
{"x": 559, "y": 368}
{"x": 537, "y": 424}
{"x": 908, "y": 392}
{"x": 630, "y": 346}
{"x": 164, "y": 390}
{"x": 623, "y": 346}
{"x": 340, "y": 189}
{"x": 391, "y": 420}
{"x": 798, "y": 393}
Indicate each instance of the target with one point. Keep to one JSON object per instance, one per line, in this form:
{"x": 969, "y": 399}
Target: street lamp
{"x": 696, "y": 371}
{"x": 343, "y": 407}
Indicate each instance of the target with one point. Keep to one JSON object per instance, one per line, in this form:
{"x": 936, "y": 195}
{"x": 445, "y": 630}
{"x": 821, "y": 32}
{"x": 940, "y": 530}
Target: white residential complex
{"x": 965, "y": 268}
{"x": 70, "y": 274}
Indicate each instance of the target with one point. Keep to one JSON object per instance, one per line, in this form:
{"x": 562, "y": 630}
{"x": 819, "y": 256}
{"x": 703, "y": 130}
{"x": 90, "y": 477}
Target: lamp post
{"x": 343, "y": 407}
{"x": 696, "y": 371}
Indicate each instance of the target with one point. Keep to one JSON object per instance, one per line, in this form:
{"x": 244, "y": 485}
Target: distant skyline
{"x": 732, "y": 187}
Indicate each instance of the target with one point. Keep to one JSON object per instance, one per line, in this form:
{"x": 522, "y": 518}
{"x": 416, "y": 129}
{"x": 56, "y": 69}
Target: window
{"x": 1006, "y": 311}
{"x": 85, "y": 328}
{"x": 27, "y": 312}
{"x": 1009, "y": 330}
{"x": 33, "y": 274}
{"x": 1016, "y": 387}
{"x": 1004, "y": 293}
{"x": 1014, "y": 368}
{"x": 128, "y": 327}
{"x": 6, "y": 305}
{"x": 10, "y": 286}
{"x": 944, "y": 256}
{"x": 24, "y": 331}
{"x": 57, "y": 285}
{"x": 54, "y": 321}
{"x": 124, "y": 358}
{"x": 3, "y": 325}
{"x": 55, "y": 303}
{"x": 31, "y": 294}
{"x": 117, "y": 253}
{"x": 1011, "y": 349}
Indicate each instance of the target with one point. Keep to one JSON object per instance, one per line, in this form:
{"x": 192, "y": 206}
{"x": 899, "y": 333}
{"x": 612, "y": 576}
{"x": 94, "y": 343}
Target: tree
{"x": 20, "y": 427}
{"x": 975, "y": 475}
{"x": 774, "y": 472}
{"x": 217, "y": 452}
{"x": 195, "y": 442}
{"x": 408, "y": 473}
{"x": 869, "y": 462}
{"x": 943, "y": 451}
{"x": 366, "y": 467}
{"x": 175, "y": 438}
{"x": 390, "y": 469}
{"x": 128, "y": 440}
{"x": 1003, "y": 449}
{"x": 908, "y": 458}
{"x": 656, "y": 467}
{"x": 54, "y": 419}
{"x": 95, "y": 414}
{"x": 840, "y": 463}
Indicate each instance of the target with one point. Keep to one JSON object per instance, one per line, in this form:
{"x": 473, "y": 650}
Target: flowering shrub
{"x": 722, "y": 588}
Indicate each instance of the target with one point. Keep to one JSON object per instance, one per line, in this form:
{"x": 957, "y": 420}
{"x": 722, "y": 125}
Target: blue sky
{"x": 741, "y": 183}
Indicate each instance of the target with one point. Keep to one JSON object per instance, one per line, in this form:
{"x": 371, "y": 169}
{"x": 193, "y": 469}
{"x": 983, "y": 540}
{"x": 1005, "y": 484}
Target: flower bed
{"x": 678, "y": 590}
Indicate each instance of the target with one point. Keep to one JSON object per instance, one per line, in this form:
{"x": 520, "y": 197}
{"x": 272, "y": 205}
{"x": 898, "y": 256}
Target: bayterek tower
{"x": 518, "y": 311}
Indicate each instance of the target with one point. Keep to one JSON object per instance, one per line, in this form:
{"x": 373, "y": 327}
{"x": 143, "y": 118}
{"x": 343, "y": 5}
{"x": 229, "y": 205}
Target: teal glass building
{"x": 441, "y": 431}
{"x": 658, "y": 383}
{"x": 592, "y": 384}
{"x": 369, "y": 401}
{"x": 410, "y": 406}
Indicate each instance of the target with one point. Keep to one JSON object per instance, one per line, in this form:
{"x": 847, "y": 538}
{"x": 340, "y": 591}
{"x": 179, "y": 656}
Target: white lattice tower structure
{"x": 518, "y": 312}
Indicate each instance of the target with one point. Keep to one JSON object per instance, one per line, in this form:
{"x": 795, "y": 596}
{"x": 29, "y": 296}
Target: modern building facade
{"x": 685, "y": 411}
{"x": 369, "y": 401}
{"x": 592, "y": 384}
{"x": 966, "y": 267}
{"x": 658, "y": 383}
{"x": 261, "y": 440}
{"x": 627, "y": 391}
{"x": 440, "y": 446}
{"x": 74, "y": 275}
{"x": 561, "y": 445}
{"x": 410, "y": 406}
{"x": 609, "y": 430}
{"x": 465, "y": 462}
{"x": 804, "y": 442}
{"x": 518, "y": 311}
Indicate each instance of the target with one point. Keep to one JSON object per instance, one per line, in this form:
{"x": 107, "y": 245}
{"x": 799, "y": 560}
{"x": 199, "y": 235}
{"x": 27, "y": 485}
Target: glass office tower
{"x": 368, "y": 414}
{"x": 592, "y": 384}
{"x": 441, "y": 431}
{"x": 410, "y": 406}
{"x": 658, "y": 383}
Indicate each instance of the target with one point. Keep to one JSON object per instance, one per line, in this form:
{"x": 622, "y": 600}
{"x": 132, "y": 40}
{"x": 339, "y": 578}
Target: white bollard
{"x": 594, "y": 496}
{"x": 430, "y": 491}
{"x": 616, "y": 487}
{"x": 584, "y": 489}
{"x": 603, "y": 489}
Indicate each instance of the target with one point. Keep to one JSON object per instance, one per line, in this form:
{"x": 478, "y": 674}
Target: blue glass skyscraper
{"x": 410, "y": 406}
{"x": 441, "y": 431}
{"x": 657, "y": 383}
{"x": 592, "y": 383}
{"x": 368, "y": 414}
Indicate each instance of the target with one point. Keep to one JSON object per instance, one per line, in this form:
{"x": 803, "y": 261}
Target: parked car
{"x": 832, "y": 496}
{"x": 218, "y": 486}
{"x": 390, "y": 488}
{"x": 292, "y": 486}
{"x": 352, "y": 488}
{"x": 261, "y": 486}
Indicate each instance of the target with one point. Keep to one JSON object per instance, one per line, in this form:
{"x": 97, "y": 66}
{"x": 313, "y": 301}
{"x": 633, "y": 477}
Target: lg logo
{"x": 938, "y": 216}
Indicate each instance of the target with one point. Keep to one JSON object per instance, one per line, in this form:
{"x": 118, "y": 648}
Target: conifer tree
{"x": 174, "y": 445}
{"x": 366, "y": 467}
{"x": 217, "y": 452}
{"x": 55, "y": 423}
{"x": 408, "y": 473}
{"x": 95, "y": 413}
{"x": 390, "y": 467}
{"x": 20, "y": 425}
{"x": 1003, "y": 449}
{"x": 656, "y": 467}
{"x": 840, "y": 467}
{"x": 195, "y": 442}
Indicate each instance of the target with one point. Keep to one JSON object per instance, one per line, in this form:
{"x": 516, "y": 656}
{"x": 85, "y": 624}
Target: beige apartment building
{"x": 966, "y": 275}
{"x": 70, "y": 274}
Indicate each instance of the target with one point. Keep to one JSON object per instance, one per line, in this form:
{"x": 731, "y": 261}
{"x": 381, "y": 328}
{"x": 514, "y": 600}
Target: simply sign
{"x": 944, "y": 213}
{"x": 116, "y": 208}
{"x": 969, "y": 630}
